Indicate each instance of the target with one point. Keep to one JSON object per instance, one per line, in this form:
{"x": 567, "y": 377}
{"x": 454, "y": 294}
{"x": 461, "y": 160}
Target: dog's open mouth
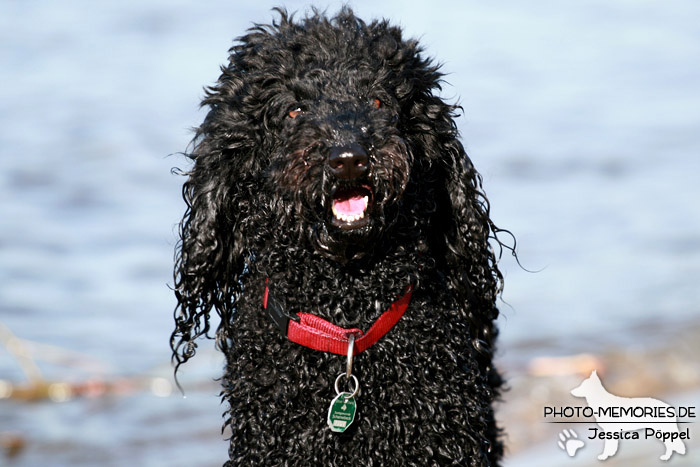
{"x": 350, "y": 207}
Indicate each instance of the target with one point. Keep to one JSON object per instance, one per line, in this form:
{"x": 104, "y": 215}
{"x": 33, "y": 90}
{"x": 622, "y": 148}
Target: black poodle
{"x": 339, "y": 230}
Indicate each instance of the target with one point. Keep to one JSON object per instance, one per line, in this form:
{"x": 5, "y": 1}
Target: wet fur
{"x": 258, "y": 207}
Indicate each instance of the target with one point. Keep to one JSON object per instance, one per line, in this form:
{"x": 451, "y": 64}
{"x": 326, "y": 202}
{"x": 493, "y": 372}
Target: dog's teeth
{"x": 346, "y": 217}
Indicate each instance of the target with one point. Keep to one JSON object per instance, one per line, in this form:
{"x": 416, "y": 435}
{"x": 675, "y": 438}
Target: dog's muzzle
{"x": 351, "y": 198}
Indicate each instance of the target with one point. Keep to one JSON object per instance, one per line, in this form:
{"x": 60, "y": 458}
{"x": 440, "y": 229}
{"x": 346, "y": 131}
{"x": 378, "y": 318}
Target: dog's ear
{"x": 223, "y": 208}
{"x": 204, "y": 257}
{"x": 462, "y": 231}
{"x": 467, "y": 231}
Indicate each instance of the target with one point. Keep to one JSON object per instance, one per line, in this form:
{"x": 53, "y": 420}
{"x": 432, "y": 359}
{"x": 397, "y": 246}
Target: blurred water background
{"x": 583, "y": 117}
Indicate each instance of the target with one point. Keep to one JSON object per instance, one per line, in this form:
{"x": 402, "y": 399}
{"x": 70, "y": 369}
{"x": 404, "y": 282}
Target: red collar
{"x": 316, "y": 333}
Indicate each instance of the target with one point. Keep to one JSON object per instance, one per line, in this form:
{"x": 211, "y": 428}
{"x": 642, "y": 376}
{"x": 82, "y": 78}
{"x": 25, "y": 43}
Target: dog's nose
{"x": 348, "y": 162}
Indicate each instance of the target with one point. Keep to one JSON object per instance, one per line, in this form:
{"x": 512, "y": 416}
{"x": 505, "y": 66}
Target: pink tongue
{"x": 351, "y": 206}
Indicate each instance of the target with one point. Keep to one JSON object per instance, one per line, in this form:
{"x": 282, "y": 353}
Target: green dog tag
{"x": 341, "y": 413}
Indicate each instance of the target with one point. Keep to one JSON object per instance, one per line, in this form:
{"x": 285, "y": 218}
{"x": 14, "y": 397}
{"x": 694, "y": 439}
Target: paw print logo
{"x": 569, "y": 442}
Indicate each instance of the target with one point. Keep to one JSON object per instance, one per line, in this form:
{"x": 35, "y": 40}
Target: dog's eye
{"x": 295, "y": 113}
{"x": 376, "y": 103}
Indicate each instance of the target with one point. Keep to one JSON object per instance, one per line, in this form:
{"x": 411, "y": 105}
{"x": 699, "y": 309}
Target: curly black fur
{"x": 259, "y": 199}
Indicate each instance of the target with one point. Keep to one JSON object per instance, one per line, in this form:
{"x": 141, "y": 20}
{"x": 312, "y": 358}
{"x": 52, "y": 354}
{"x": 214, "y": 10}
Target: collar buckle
{"x": 276, "y": 312}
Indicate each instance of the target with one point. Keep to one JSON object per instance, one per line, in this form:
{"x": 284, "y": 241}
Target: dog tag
{"x": 341, "y": 413}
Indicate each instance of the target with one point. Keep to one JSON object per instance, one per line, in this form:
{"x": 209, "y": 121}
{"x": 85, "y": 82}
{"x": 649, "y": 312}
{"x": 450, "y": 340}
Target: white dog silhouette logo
{"x": 618, "y": 416}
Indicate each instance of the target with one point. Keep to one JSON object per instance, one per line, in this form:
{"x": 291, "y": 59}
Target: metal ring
{"x": 351, "y": 353}
{"x": 354, "y": 391}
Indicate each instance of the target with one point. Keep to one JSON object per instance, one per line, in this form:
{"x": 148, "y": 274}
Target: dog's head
{"x": 328, "y": 135}
{"x": 320, "y": 124}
